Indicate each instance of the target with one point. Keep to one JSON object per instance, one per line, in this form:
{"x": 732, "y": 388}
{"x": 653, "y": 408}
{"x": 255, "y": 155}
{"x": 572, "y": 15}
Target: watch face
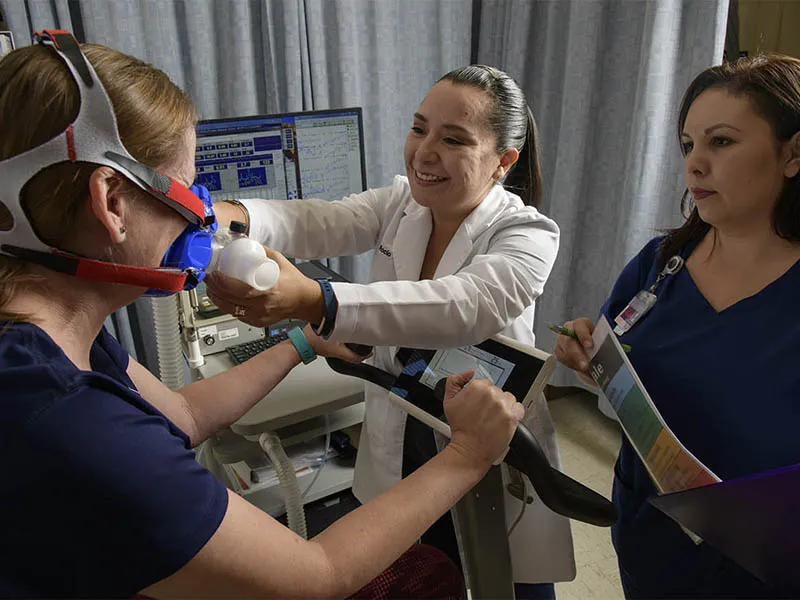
{"x": 281, "y": 327}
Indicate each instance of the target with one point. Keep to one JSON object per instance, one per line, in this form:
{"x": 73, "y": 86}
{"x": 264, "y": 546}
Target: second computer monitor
{"x": 317, "y": 154}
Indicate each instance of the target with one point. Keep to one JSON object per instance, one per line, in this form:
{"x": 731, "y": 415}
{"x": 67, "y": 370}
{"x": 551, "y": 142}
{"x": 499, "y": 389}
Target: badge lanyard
{"x": 645, "y": 300}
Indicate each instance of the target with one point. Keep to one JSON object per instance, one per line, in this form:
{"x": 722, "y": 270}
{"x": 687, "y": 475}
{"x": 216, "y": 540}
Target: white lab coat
{"x": 486, "y": 283}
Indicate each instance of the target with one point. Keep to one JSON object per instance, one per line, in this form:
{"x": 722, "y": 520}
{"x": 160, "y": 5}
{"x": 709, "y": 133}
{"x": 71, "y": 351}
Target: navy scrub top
{"x": 728, "y": 385}
{"x": 101, "y": 494}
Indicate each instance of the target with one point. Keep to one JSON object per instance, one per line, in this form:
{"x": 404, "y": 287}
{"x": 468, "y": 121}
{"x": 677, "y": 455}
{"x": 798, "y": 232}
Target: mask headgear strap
{"x": 92, "y": 137}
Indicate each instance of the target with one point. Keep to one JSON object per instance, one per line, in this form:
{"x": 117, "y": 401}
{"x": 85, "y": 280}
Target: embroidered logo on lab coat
{"x": 385, "y": 251}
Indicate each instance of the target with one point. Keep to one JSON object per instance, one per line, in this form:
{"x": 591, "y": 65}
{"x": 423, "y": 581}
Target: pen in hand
{"x": 561, "y": 330}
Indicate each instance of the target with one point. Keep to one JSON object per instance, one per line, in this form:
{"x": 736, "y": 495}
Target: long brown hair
{"x": 772, "y": 84}
{"x": 39, "y": 99}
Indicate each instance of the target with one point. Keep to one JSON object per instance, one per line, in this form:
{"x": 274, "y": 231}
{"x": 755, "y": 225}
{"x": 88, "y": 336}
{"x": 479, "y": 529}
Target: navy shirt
{"x": 100, "y": 495}
{"x": 728, "y": 385}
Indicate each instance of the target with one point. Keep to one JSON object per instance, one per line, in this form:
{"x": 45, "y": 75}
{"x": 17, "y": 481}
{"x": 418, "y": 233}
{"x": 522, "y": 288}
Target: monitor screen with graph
{"x": 317, "y": 154}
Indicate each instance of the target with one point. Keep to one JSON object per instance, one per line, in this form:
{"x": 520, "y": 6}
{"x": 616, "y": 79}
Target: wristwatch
{"x": 331, "y": 308}
{"x": 235, "y": 202}
{"x": 300, "y": 343}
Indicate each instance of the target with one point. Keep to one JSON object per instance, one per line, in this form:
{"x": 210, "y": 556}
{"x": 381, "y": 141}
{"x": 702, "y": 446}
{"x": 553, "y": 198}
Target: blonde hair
{"x": 39, "y": 99}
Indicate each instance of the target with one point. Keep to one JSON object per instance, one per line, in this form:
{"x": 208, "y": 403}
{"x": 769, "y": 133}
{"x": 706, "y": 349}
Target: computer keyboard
{"x": 243, "y": 352}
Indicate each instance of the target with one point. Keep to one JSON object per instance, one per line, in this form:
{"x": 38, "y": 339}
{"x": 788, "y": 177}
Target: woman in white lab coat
{"x": 459, "y": 257}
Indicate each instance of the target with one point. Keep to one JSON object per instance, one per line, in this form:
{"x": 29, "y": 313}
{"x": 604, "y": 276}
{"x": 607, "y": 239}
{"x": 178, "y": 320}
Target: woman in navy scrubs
{"x": 718, "y": 352}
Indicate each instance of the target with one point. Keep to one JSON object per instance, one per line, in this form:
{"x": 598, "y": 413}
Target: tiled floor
{"x": 588, "y": 442}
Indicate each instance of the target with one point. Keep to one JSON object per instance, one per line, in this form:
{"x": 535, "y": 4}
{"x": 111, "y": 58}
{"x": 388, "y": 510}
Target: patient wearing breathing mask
{"x": 107, "y": 499}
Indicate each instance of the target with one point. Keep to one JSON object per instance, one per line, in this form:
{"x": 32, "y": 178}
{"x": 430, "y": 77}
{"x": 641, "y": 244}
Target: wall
{"x": 769, "y": 26}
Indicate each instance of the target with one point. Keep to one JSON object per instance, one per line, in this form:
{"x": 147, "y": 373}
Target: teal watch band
{"x": 302, "y": 346}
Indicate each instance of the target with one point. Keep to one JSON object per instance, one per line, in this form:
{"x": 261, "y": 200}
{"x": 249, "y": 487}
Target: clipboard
{"x": 754, "y": 520}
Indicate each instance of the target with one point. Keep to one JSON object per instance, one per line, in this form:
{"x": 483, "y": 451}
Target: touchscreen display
{"x": 457, "y": 360}
{"x": 508, "y": 368}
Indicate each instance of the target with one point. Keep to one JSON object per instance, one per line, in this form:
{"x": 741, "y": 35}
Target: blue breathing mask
{"x": 93, "y": 137}
{"x": 191, "y": 251}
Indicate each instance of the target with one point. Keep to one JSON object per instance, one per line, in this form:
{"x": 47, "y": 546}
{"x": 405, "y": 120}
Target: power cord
{"x": 524, "y": 501}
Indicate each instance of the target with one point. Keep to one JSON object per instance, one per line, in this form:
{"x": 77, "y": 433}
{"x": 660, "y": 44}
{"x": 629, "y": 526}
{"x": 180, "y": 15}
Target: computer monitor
{"x": 318, "y": 154}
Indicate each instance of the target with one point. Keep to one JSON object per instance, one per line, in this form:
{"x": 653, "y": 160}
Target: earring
{"x": 122, "y": 229}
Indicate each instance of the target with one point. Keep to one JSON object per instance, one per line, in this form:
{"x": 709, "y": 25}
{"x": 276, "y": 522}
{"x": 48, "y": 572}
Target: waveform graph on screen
{"x": 250, "y": 177}
{"x": 324, "y": 158}
{"x": 211, "y": 181}
{"x": 294, "y": 155}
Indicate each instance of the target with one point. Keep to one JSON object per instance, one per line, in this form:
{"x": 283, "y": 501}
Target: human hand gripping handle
{"x": 482, "y": 417}
{"x": 560, "y": 493}
{"x": 294, "y": 296}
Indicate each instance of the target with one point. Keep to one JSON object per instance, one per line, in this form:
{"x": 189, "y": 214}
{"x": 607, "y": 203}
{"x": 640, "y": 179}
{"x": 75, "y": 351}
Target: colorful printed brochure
{"x": 670, "y": 464}
{"x": 753, "y": 520}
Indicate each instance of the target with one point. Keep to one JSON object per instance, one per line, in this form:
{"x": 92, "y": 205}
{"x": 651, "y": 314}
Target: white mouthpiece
{"x": 247, "y": 261}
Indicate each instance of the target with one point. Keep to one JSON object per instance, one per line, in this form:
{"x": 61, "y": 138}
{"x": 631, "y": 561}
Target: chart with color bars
{"x": 672, "y": 467}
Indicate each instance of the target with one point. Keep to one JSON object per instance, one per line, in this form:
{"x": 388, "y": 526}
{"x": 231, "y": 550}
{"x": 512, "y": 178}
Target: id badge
{"x": 638, "y": 307}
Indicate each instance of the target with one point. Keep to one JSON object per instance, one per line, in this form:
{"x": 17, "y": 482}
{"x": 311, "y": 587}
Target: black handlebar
{"x": 360, "y": 349}
{"x": 560, "y": 493}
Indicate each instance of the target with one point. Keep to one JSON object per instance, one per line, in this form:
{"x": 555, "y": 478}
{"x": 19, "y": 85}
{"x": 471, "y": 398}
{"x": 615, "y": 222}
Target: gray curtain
{"x": 604, "y": 79}
{"x": 382, "y": 55}
{"x": 244, "y": 57}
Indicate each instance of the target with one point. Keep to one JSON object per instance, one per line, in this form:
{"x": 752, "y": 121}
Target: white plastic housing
{"x": 247, "y": 261}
